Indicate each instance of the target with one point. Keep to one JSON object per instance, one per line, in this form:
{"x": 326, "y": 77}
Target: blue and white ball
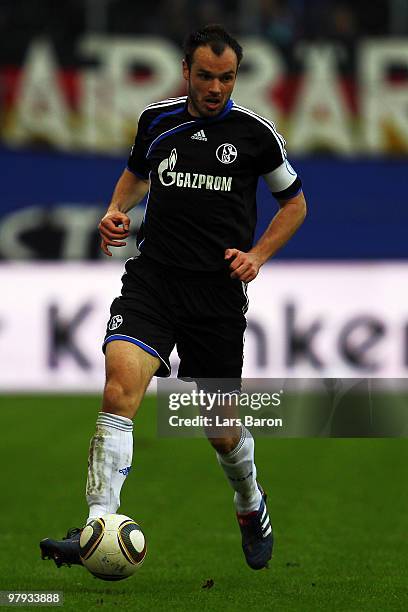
{"x": 112, "y": 547}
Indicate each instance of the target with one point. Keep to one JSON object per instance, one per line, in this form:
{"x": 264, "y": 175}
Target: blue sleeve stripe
{"x": 162, "y": 115}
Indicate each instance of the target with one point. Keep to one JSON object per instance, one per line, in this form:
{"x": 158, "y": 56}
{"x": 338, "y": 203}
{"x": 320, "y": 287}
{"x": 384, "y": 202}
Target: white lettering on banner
{"x": 335, "y": 321}
{"x": 73, "y": 224}
{"x": 113, "y": 115}
{"x": 265, "y": 69}
{"x": 41, "y": 110}
{"x": 383, "y": 104}
{"x": 109, "y": 99}
{"x": 320, "y": 116}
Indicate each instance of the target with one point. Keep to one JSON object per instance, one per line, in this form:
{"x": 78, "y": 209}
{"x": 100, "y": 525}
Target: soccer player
{"x": 200, "y": 157}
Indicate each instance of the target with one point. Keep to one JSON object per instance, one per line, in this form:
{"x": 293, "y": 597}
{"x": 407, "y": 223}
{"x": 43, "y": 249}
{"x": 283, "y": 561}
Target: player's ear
{"x": 186, "y": 70}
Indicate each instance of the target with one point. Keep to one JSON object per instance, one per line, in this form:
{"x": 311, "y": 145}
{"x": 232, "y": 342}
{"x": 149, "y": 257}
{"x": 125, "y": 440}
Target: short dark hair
{"x": 216, "y": 37}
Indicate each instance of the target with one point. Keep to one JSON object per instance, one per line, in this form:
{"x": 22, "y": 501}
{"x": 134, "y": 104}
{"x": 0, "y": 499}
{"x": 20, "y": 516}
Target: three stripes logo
{"x": 259, "y": 521}
{"x": 199, "y": 136}
{"x": 265, "y": 523}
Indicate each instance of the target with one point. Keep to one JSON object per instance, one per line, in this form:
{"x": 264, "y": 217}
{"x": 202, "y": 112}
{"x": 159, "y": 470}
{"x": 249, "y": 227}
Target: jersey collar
{"x": 188, "y": 124}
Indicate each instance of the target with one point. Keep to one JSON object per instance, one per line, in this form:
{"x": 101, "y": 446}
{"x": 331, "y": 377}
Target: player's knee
{"x": 117, "y": 399}
{"x": 224, "y": 445}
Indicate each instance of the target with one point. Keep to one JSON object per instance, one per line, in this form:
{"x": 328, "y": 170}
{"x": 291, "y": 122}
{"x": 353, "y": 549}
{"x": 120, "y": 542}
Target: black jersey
{"x": 203, "y": 177}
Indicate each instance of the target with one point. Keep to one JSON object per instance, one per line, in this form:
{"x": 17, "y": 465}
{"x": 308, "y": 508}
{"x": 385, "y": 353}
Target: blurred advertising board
{"x": 336, "y": 99}
{"x": 51, "y": 204}
{"x": 305, "y": 320}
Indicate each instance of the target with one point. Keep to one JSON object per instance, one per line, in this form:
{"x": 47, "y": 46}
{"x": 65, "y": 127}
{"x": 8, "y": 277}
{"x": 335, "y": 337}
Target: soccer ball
{"x": 112, "y": 547}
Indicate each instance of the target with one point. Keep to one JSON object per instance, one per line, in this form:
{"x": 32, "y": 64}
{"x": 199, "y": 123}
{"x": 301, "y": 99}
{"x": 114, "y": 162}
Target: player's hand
{"x": 243, "y": 266}
{"x": 113, "y": 228}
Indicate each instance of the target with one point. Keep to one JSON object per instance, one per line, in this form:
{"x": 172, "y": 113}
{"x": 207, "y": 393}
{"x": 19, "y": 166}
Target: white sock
{"x": 109, "y": 462}
{"x": 240, "y": 469}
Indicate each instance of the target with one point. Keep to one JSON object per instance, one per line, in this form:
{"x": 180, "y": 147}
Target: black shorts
{"x": 202, "y": 314}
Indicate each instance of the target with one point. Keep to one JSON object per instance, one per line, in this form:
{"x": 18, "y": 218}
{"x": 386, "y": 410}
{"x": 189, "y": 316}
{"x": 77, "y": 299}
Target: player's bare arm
{"x": 291, "y": 214}
{"x": 114, "y": 226}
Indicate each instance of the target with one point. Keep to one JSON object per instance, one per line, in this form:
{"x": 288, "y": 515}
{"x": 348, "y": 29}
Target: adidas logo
{"x": 125, "y": 471}
{"x": 199, "y": 136}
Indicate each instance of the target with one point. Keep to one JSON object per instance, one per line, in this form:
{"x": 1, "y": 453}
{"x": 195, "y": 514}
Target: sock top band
{"x": 114, "y": 420}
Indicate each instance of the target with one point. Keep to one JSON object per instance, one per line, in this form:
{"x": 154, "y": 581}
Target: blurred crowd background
{"x": 282, "y": 22}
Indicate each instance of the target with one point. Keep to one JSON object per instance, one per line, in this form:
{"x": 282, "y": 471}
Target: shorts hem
{"x": 142, "y": 345}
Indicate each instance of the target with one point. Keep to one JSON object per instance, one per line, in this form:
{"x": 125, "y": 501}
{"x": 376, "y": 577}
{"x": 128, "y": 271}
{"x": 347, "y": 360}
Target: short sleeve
{"x": 274, "y": 166}
{"x": 137, "y": 162}
{"x": 271, "y": 148}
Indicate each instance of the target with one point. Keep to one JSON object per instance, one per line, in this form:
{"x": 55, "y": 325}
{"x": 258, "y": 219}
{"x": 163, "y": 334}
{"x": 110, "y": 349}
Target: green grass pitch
{"x": 339, "y": 509}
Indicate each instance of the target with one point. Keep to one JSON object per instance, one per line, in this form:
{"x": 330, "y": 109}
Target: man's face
{"x": 211, "y": 80}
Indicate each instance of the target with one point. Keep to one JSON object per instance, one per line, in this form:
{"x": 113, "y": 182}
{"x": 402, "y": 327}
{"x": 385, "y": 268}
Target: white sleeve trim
{"x": 281, "y": 178}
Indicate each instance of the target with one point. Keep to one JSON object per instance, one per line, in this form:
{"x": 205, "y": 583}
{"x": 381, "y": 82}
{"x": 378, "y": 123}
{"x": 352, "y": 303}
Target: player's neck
{"x": 191, "y": 109}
